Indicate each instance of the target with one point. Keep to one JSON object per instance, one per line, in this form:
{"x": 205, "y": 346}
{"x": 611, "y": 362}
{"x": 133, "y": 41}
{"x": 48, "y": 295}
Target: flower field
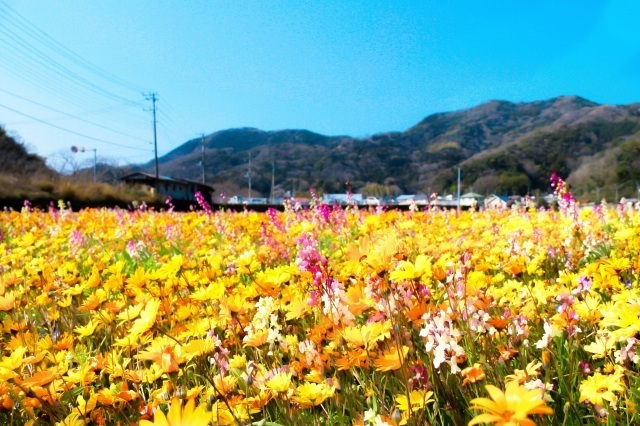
{"x": 319, "y": 316}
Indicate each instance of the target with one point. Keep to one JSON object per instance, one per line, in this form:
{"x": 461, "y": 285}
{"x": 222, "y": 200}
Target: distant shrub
{"x": 46, "y": 186}
{"x": 68, "y": 192}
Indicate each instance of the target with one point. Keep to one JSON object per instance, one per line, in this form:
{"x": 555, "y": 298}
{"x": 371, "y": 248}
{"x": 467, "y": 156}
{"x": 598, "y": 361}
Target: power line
{"x": 53, "y": 44}
{"x": 35, "y": 77}
{"x": 70, "y": 131}
{"x": 53, "y": 65}
{"x": 61, "y": 89}
{"x": 39, "y": 59}
{"x": 71, "y": 115}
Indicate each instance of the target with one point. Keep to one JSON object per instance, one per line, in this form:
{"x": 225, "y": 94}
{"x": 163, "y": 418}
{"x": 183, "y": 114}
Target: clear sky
{"x": 73, "y": 72}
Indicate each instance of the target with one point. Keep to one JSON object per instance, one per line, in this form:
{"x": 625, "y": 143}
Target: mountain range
{"x": 499, "y": 146}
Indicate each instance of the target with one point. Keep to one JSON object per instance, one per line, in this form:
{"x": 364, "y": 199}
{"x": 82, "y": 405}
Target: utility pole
{"x": 273, "y": 173}
{"x": 95, "y": 164}
{"x": 249, "y": 174}
{"x": 202, "y": 160}
{"x": 152, "y": 97}
{"x": 273, "y": 178}
{"x": 458, "y": 189}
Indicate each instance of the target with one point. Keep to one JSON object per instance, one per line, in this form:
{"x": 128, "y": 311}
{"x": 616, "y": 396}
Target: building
{"x": 406, "y": 200}
{"x": 471, "y": 200}
{"x": 178, "y": 189}
{"x": 342, "y": 198}
{"x": 494, "y": 201}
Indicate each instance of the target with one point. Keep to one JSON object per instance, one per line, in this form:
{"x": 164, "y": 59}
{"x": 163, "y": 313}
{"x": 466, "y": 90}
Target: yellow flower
{"x": 225, "y": 384}
{"x": 310, "y": 394}
{"x": 391, "y": 360}
{"x": 599, "y": 388}
{"x": 511, "y": 407}
{"x": 197, "y": 347}
{"x": 601, "y": 347}
{"x": 421, "y": 268}
{"x": 367, "y": 335}
{"x": 73, "y": 419}
{"x": 14, "y": 360}
{"x": 417, "y": 400}
{"x": 521, "y": 376}
{"x": 213, "y": 291}
{"x": 238, "y": 361}
{"x": 280, "y": 382}
{"x": 85, "y": 407}
{"x": 87, "y": 330}
{"x": 146, "y": 320}
{"x": 178, "y": 416}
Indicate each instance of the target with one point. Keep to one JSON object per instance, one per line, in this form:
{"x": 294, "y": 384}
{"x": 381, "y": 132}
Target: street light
{"x": 75, "y": 150}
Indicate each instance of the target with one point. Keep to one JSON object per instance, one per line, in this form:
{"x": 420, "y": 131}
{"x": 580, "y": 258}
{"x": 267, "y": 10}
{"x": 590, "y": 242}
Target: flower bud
{"x": 396, "y": 416}
{"x": 181, "y": 392}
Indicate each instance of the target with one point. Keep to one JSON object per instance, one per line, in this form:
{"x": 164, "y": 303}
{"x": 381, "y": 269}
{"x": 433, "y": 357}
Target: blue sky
{"x": 73, "y": 72}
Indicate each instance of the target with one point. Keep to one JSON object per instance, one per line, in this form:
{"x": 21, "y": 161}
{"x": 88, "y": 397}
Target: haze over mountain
{"x": 502, "y": 147}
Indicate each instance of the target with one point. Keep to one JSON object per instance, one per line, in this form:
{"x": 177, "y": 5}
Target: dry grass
{"x": 64, "y": 188}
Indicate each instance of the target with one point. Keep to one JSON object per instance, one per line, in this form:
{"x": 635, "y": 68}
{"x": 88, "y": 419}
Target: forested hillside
{"x": 503, "y": 147}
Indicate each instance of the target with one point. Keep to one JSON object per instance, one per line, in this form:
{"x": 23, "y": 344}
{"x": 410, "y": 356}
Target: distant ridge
{"x": 500, "y": 146}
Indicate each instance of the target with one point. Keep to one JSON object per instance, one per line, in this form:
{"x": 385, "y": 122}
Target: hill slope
{"x": 15, "y": 160}
{"x": 500, "y": 146}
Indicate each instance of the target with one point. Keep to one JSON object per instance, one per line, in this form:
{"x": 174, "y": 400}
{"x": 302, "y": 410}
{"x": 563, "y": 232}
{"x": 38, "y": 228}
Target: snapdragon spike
{"x": 204, "y": 205}
{"x": 561, "y": 189}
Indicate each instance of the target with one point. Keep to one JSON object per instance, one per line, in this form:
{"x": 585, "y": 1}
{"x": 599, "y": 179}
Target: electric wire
{"x": 65, "y": 93}
{"x": 73, "y": 116}
{"x": 32, "y": 64}
{"x": 71, "y": 131}
{"x": 53, "y": 44}
{"x": 54, "y": 66}
{"x": 62, "y": 90}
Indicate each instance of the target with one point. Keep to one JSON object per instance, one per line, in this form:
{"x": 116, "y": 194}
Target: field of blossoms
{"x": 319, "y": 316}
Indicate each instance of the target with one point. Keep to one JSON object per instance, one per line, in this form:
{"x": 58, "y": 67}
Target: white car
{"x": 255, "y": 201}
{"x": 372, "y": 201}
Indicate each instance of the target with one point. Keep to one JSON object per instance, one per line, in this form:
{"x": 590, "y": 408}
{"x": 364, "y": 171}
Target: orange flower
{"x": 355, "y": 358}
{"x": 7, "y": 302}
{"x": 164, "y": 356}
{"x": 256, "y": 339}
{"x": 40, "y": 378}
{"x": 113, "y": 395}
{"x": 472, "y": 374}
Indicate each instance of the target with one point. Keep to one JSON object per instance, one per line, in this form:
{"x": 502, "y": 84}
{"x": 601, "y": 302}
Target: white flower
{"x": 549, "y": 333}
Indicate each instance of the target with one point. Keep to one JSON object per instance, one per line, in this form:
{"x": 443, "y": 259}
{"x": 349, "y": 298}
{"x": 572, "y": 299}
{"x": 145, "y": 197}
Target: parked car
{"x": 372, "y": 201}
{"x": 236, "y": 199}
{"x": 256, "y": 201}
